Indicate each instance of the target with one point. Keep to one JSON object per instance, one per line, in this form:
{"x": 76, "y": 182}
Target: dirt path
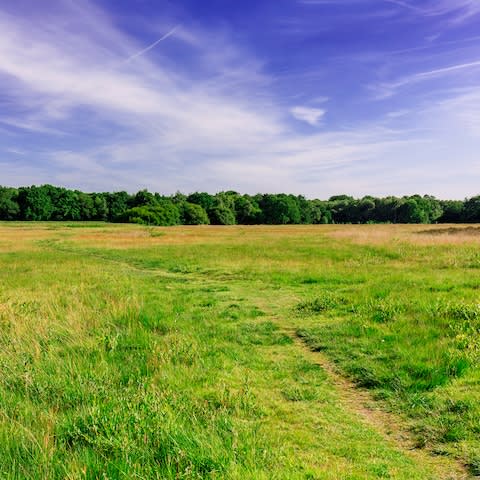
{"x": 361, "y": 403}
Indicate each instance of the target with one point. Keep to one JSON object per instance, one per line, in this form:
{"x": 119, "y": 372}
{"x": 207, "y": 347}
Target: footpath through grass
{"x": 131, "y": 352}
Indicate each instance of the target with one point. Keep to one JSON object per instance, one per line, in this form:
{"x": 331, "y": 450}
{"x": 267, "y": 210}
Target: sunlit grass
{"x": 134, "y": 352}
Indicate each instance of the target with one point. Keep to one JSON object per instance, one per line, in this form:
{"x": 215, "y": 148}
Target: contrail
{"x": 153, "y": 45}
{"x": 406, "y": 5}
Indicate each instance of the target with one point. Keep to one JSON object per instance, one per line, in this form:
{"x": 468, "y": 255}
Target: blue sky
{"x": 315, "y": 97}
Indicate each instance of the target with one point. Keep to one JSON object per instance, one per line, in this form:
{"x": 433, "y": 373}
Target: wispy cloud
{"x": 310, "y": 115}
{"x": 212, "y": 121}
{"x": 459, "y": 10}
{"x": 386, "y": 90}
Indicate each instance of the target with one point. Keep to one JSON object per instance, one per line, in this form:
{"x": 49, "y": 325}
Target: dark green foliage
{"x": 192, "y": 214}
{"x": 280, "y": 209}
{"x": 229, "y": 208}
{"x": 203, "y": 199}
{"x": 65, "y": 204}
{"x": 452, "y": 211}
{"x": 35, "y": 203}
{"x": 86, "y": 206}
{"x": 419, "y": 209}
{"x": 100, "y": 206}
{"x": 222, "y": 211}
{"x": 9, "y": 208}
{"x": 142, "y": 198}
{"x": 247, "y": 209}
{"x": 471, "y": 210}
{"x": 117, "y": 204}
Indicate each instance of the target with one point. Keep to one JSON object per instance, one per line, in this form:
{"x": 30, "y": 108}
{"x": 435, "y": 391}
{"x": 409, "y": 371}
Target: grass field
{"x": 302, "y": 352}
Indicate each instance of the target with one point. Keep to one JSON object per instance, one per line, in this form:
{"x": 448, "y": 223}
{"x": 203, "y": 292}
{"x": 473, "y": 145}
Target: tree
{"x": 9, "y": 208}
{"x": 117, "y": 204}
{"x": 320, "y": 212}
{"x": 86, "y": 206}
{"x": 452, "y": 211}
{"x": 418, "y": 209}
{"x": 192, "y": 214}
{"x": 305, "y": 208}
{"x": 221, "y": 213}
{"x": 66, "y": 205}
{"x": 35, "y": 203}
{"x": 366, "y": 210}
{"x": 247, "y": 210}
{"x": 386, "y": 209}
{"x": 280, "y": 209}
{"x": 205, "y": 200}
{"x": 143, "y": 197}
{"x": 471, "y": 210}
{"x": 344, "y": 209}
{"x": 100, "y": 206}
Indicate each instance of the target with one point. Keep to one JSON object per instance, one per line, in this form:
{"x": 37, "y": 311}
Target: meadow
{"x": 263, "y": 352}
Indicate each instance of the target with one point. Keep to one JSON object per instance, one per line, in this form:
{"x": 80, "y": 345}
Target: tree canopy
{"x": 50, "y": 203}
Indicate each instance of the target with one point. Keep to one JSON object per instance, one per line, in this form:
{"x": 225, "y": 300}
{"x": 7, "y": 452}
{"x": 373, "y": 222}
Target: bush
{"x": 163, "y": 214}
{"x": 193, "y": 214}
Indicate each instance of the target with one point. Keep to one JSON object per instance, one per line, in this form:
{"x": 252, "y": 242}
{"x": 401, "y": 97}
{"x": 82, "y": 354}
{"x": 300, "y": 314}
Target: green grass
{"x": 132, "y": 353}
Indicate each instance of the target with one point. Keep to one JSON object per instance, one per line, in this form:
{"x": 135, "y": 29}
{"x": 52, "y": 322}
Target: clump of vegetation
{"x": 165, "y": 214}
{"x": 300, "y": 393}
{"x": 384, "y": 311}
{"x": 319, "y": 304}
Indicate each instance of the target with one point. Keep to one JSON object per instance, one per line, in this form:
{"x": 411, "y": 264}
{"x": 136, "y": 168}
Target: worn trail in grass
{"x": 168, "y": 353}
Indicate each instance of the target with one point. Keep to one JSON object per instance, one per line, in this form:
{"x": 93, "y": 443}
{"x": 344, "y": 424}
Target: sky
{"x": 312, "y": 97}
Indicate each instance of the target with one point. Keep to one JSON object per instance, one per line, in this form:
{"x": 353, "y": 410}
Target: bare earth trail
{"x": 393, "y": 429}
{"x": 362, "y": 405}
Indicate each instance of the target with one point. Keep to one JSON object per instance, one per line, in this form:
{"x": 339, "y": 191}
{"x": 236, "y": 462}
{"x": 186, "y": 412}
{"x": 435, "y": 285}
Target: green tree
{"x": 193, "y": 214}
{"x": 247, "y": 210}
{"x": 143, "y": 197}
{"x": 222, "y": 211}
{"x": 221, "y": 214}
{"x": 471, "y": 211}
{"x": 9, "y": 208}
{"x": 66, "y": 205}
{"x": 203, "y": 199}
{"x": 366, "y": 210}
{"x": 320, "y": 212}
{"x": 453, "y": 211}
{"x": 100, "y": 206}
{"x": 35, "y": 203}
{"x": 280, "y": 209}
{"x": 118, "y": 204}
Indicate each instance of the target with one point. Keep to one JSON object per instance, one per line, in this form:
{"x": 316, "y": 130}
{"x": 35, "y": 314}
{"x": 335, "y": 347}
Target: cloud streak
{"x": 386, "y": 90}
{"x": 153, "y": 45}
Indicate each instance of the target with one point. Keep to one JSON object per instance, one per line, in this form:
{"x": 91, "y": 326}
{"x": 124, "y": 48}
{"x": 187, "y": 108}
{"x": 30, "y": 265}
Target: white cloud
{"x": 309, "y": 115}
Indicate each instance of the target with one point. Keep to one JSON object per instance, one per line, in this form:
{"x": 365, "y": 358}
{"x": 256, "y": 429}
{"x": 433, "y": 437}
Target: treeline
{"x": 47, "y": 202}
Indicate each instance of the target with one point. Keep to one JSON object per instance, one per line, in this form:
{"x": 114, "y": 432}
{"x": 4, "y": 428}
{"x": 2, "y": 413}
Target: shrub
{"x": 163, "y": 214}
